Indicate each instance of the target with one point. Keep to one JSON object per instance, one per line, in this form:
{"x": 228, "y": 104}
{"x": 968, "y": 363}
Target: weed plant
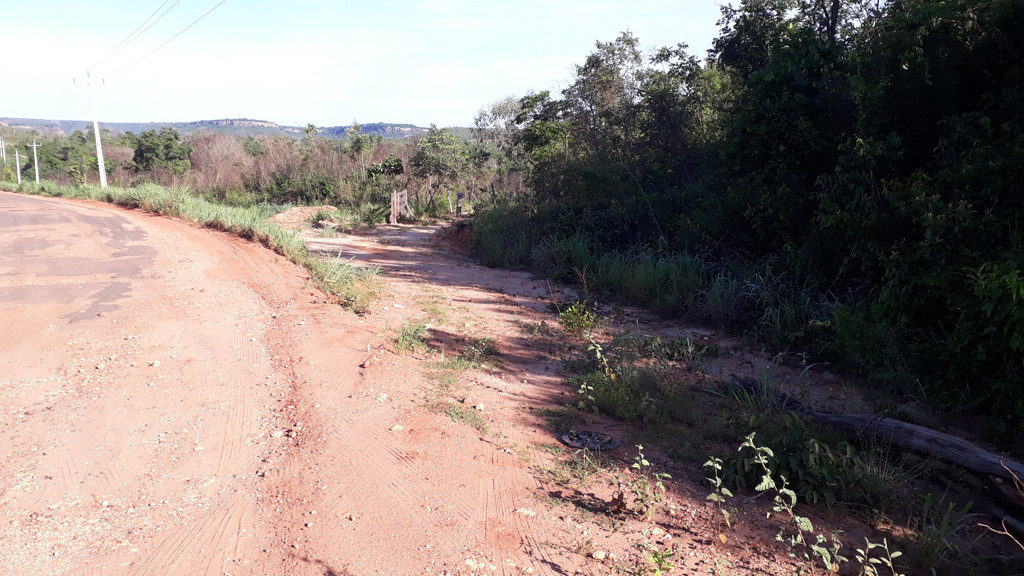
{"x": 322, "y": 218}
{"x": 643, "y": 484}
{"x": 481, "y": 352}
{"x": 578, "y": 319}
{"x": 412, "y": 337}
{"x": 815, "y": 551}
{"x": 467, "y": 416}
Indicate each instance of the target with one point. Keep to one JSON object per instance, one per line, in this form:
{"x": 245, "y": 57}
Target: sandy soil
{"x": 176, "y": 401}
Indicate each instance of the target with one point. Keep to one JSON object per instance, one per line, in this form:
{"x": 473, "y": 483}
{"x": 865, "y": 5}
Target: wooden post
{"x": 400, "y": 200}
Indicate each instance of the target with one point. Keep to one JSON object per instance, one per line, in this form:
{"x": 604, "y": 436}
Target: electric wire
{"x": 168, "y": 41}
{"x": 63, "y": 102}
{"x": 135, "y": 34}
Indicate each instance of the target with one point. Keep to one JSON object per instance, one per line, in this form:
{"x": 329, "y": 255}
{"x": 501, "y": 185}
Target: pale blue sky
{"x": 312, "y": 61}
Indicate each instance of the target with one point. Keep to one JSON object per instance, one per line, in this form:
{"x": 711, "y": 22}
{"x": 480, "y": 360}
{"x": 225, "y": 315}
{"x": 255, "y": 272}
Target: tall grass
{"x": 354, "y": 287}
{"x": 744, "y": 297}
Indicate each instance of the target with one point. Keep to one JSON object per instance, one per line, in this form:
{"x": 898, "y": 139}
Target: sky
{"x": 328, "y": 63}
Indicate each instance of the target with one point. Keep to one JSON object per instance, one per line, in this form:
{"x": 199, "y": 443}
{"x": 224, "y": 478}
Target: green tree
{"x": 441, "y": 158}
{"x": 360, "y": 147}
{"x": 163, "y": 149}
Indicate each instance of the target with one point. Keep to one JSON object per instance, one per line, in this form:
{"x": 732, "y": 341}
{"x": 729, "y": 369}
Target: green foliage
{"x": 660, "y": 561}
{"x": 360, "y": 147}
{"x": 578, "y": 319}
{"x": 936, "y": 533}
{"x": 253, "y": 147}
{"x": 840, "y": 178}
{"x": 162, "y": 149}
{"x": 441, "y": 158}
{"x": 805, "y": 544}
{"x": 412, "y": 337}
{"x": 354, "y": 286}
{"x": 321, "y": 217}
{"x": 629, "y": 393}
{"x": 467, "y": 416}
{"x": 813, "y": 470}
{"x": 721, "y": 492}
{"x": 644, "y": 485}
{"x": 480, "y": 351}
{"x": 371, "y": 215}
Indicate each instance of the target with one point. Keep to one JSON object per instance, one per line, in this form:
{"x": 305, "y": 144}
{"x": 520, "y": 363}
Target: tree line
{"x": 358, "y": 170}
{"x": 838, "y": 177}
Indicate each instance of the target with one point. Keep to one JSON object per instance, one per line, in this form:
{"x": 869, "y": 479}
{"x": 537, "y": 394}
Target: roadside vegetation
{"x": 837, "y": 183}
{"x": 851, "y": 505}
{"x": 835, "y": 179}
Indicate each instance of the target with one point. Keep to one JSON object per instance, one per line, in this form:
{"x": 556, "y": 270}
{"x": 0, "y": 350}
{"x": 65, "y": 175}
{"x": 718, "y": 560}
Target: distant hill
{"x": 234, "y": 126}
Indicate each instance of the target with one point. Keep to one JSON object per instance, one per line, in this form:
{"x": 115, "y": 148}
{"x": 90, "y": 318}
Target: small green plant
{"x": 646, "y": 486}
{"x": 721, "y": 568}
{"x": 815, "y": 471}
{"x": 936, "y": 532}
{"x": 412, "y": 337}
{"x": 653, "y": 561}
{"x": 354, "y": 286}
{"x": 720, "y": 493}
{"x": 869, "y": 564}
{"x": 371, "y": 214}
{"x": 578, "y": 466}
{"x": 587, "y": 389}
{"x": 578, "y": 319}
{"x": 467, "y": 416}
{"x": 480, "y": 351}
{"x": 684, "y": 350}
{"x": 321, "y": 218}
{"x": 805, "y": 544}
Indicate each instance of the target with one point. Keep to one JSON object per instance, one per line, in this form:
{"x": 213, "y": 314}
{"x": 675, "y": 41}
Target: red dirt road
{"x": 146, "y": 371}
{"x": 176, "y": 401}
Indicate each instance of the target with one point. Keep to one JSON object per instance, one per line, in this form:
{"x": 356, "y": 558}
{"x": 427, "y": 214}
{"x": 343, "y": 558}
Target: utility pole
{"x": 17, "y": 165}
{"x": 35, "y": 157}
{"x": 3, "y": 150}
{"x": 96, "y": 129}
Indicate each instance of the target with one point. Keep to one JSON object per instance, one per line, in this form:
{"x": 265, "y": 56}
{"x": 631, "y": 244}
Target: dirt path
{"x": 444, "y": 497}
{"x": 146, "y": 370}
{"x": 177, "y": 401}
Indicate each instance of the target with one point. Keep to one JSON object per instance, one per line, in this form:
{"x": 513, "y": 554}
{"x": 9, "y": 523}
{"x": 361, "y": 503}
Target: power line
{"x": 168, "y": 41}
{"x": 63, "y": 102}
{"x": 133, "y": 36}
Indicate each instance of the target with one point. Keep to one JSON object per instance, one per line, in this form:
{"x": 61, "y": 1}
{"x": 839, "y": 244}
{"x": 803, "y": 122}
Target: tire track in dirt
{"x": 435, "y": 474}
{"x": 142, "y": 453}
{"x": 223, "y": 441}
{"x": 221, "y": 529}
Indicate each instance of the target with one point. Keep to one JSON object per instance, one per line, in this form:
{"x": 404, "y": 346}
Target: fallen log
{"x": 947, "y": 447}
